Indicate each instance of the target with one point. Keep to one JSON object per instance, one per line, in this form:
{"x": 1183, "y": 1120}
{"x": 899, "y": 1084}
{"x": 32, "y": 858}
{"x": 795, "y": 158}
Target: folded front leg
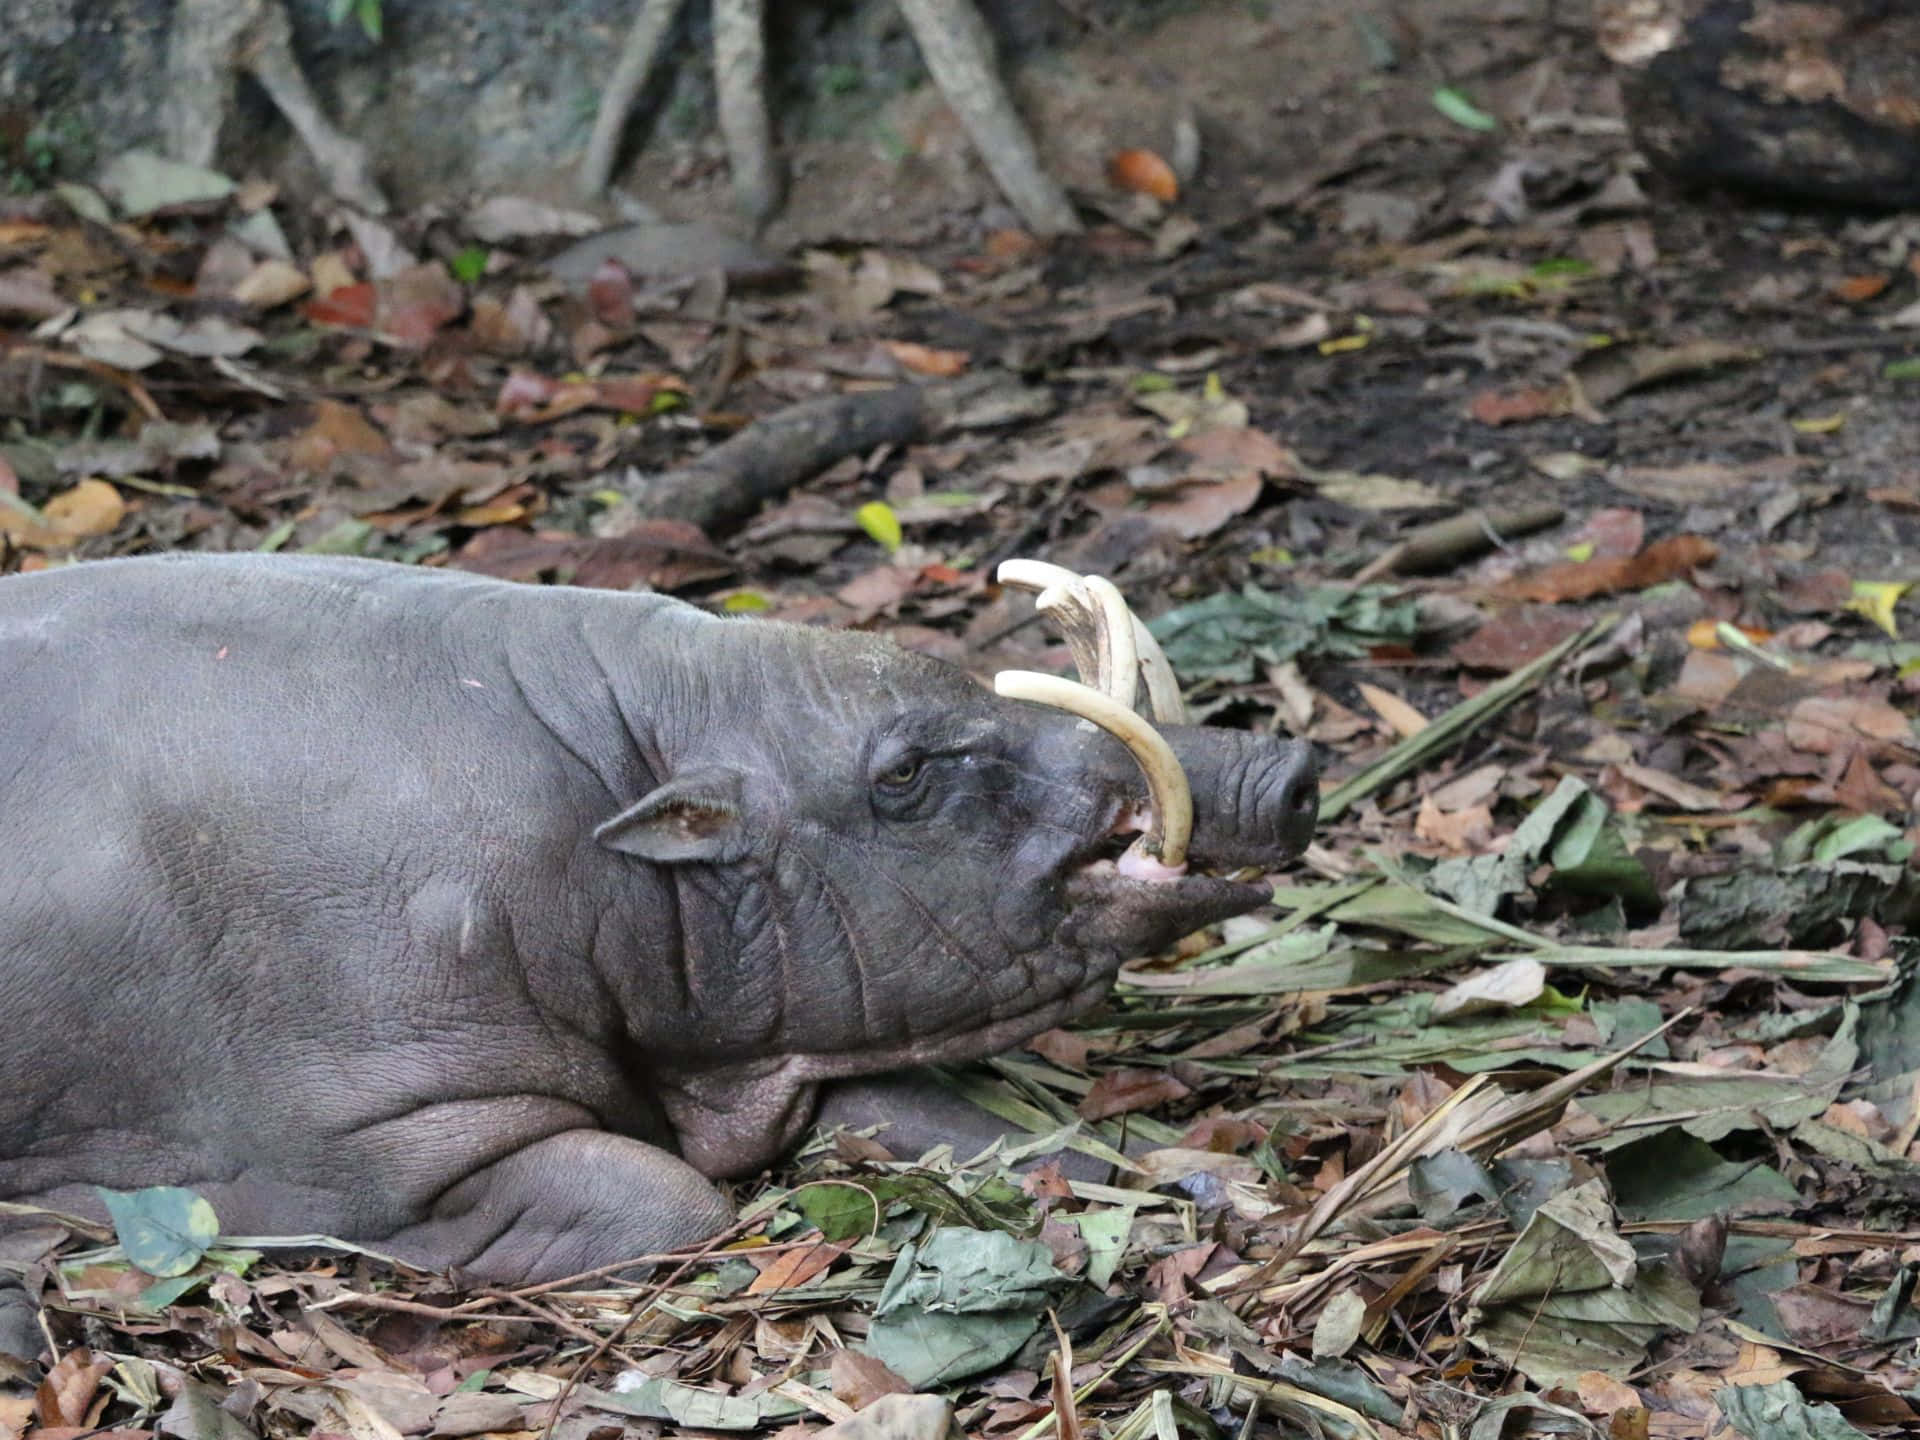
{"x": 573, "y": 1201}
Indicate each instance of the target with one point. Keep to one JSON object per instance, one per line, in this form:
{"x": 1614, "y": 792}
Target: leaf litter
{"x": 1572, "y": 1080}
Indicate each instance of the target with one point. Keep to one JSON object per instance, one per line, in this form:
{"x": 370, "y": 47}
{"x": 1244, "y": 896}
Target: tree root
{"x": 213, "y": 42}
{"x": 643, "y": 45}
{"x": 958, "y": 49}
{"x": 954, "y": 41}
{"x": 740, "y": 80}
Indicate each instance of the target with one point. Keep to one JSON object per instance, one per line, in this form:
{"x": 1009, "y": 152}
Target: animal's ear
{"x": 694, "y": 816}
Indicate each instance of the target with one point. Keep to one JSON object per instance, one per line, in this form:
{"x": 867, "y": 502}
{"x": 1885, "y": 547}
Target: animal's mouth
{"x": 1116, "y": 873}
{"x": 1139, "y": 915}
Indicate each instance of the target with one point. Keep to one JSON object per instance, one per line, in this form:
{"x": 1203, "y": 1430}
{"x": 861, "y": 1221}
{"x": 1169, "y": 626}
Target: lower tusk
{"x": 1170, "y": 825}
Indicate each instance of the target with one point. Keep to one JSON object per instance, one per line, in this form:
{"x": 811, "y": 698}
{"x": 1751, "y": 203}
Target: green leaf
{"x": 1220, "y": 638}
{"x": 961, "y": 1303}
{"x": 656, "y": 1398}
{"x": 368, "y": 13}
{"x": 276, "y": 537}
{"x": 1671, "y": 1175}
{"x": 746, "y": 602}
{"x": 1862, "y": 833}
{"x": 349, "y": 537}
{"x": 1907, "y": 369}
{"x": 164, "y": 1230}
{"x": 338, "y": 10}
{"x": 1105, "y": 1232}
{"x": 844, "y": 1212}
{"x": 876, "y": 517}
{"x": 1462, "y": 111}
{"x": 1780, "y": 1412}
{"x": 470, "y": 264}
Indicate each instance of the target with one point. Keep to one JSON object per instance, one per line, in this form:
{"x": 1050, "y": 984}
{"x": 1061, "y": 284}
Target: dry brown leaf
{"x": 67, "y": 1393}
{"x": 1601, "y": 1394}
{"x": 1464, "y": 831}
{"x": 1508, "y": 407}
{"x": 1476, "y": 787}
{"x": 1515, "y": 637}
{"x": 1203, "y": 507}
{"x": 1707, "y": 677}
{"x": 793, "y": 1268}
{"x": 1144, "y": 173}
{"x": 1402, "y": 717}
{"x": 1063, "y": 1047}
{"x": 27, "y": 291}
{"x": 666, "y": 554}
{"x": 1826, "y": 724}
{"x": 1660, "y": 562}
{"x": 1066, "y": 1414}
{"x": 270, "y": 283}
{"x": 926, "y": 360}
{"x": 93, "y": 507}
{"x": 1119, "y": 1092}
{"x": 1229, "y": 450}
{"x": 335, "y": 430}
{"x": 1671, "y": 787}
{"x": 1167, "y": 1277}
{"x": 859, "y": 1380}
{"x": 1615, "y": 530}
{"x": 1858, "y": 289}
{"x": 1606, "y": 374}
{"x": 1861, "y": 789}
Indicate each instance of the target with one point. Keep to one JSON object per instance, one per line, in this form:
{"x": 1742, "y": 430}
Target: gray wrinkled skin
{"x": 485, "y": 923}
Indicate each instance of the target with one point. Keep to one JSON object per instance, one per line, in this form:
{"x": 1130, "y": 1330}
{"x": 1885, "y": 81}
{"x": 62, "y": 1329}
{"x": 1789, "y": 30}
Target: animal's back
{"x": 262, "y": 821}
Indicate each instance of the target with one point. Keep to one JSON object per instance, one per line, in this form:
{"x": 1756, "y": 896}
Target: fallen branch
{"x": 1459, "y": 537}
{"x": 774, "y": 454}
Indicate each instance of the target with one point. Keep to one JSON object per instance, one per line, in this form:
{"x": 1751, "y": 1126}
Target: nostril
{"x": 1305, "y": 800}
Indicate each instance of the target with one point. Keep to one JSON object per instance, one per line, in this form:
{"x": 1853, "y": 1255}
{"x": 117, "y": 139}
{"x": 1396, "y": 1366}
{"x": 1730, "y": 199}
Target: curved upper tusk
{"x": 1120, "y": 655}
{"x": 1163, "y": 689}
{"x": 1170, "y": 825}
{"x": 1111, "y": 648}
{"x": 1034, "y": 574}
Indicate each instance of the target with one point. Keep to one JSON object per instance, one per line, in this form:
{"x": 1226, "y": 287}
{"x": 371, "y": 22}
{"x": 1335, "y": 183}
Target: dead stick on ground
{"x": 643, "y": 44}
{"x": 1459, "y": 537}
{"x": 958, "y": 49}
{"x": 776, "y": 453}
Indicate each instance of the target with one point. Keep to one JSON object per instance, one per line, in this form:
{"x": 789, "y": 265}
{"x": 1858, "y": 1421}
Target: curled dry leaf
{"x": 926, "y": 360}
{"x": 1144, "y": 173}
{"x": 66, "y": 1395}
{"x": 93, "y": 507}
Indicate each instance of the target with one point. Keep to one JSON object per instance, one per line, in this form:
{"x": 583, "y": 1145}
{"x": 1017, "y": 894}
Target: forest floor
{"x": 1572, "y": 1073}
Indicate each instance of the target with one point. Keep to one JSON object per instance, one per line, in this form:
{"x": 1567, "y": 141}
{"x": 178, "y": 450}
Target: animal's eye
{"x": 903, "y": 773}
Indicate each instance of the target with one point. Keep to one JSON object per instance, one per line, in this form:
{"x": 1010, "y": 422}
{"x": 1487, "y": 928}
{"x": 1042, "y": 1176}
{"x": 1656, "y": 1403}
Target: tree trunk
{"x": 1800, "y": 99}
